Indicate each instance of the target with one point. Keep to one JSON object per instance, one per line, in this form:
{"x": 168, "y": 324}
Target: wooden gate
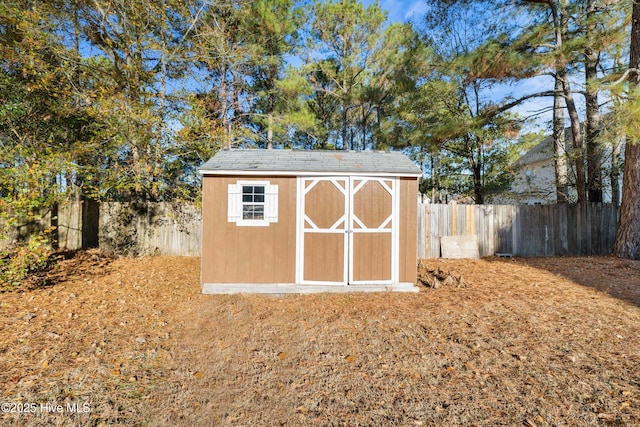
{"x": 347, "y": 230}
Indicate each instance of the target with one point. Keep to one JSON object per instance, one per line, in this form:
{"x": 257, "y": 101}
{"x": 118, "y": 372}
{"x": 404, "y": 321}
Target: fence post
{"x": 90, "y": 223}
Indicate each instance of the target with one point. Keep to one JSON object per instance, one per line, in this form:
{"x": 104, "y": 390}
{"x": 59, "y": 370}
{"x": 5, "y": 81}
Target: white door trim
{"x": 339, "y": 227}
{"x": 393, "y": 218}
{"x": 346, "y": 224}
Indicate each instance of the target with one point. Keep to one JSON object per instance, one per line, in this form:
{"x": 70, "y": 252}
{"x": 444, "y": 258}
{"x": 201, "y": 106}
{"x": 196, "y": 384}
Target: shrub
{"x": 18, "y": 263}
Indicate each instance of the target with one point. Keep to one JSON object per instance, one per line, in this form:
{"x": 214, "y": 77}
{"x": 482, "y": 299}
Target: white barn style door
{"x": 347, "y": 230}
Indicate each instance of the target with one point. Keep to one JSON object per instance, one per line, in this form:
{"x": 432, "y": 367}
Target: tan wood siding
{"x": 372, "y": 204}
{"x": 324, "y": 249}
{"x": 247, "y": 254}
{"x": 371, "y": 256}
{"x": 324, "y": 204}
{"x": 267, "y": 254}
{"x": 324, "y": 257}
{"x": 408, "y": 229}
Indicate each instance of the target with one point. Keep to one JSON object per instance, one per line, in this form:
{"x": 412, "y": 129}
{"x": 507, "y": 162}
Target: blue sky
{"x": 403, "y": 10}
{"x": 536, "y": 108}
{"x": 413, "y": 10}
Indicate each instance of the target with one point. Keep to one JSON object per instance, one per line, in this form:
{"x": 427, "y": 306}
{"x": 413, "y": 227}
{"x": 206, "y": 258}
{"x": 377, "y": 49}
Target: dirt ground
{"x": 131, "y": 341}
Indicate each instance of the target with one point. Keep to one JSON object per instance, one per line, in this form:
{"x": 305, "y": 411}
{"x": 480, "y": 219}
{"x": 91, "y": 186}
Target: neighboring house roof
{"x": 545, "y": 150}
{"x": 305, "y": 162}
{"x": 541, "y": 152}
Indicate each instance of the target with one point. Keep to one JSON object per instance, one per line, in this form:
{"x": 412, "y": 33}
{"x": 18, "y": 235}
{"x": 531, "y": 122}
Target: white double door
{"x": 347, "y": 230}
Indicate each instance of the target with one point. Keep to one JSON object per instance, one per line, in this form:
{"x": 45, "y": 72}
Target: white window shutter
{"x": 271, "y": 203}
{"x": 234, "y": 210}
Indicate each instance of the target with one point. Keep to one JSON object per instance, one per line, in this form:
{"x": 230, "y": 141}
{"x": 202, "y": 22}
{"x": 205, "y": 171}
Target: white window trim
{"x": 234, "y": 211}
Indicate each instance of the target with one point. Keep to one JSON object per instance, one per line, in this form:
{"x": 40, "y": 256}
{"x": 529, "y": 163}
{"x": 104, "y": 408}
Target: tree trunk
{"x": 433, "y": 177}
{"x": 594, "y": 151}
{"x": 578, "y": 154}
{"x": 616, "y": 151}
{"x": 345, "y": 142}
{"x": 364, "y": 128}
{"x": 226, "y": 125}
{"x": 77, "y": 185}
{"x": 560, "y": 141}
{"x": 560, "y": 148}
{"x": 561, "y": 29}
{"x": 627, "y": 243}
{"x": 476, "y": 167}
{"x": 269, "y": 131}
{"x": 477, "y": 186}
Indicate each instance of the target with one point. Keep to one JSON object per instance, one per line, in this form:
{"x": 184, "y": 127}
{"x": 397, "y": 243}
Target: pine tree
{"x": 627, "y": 242}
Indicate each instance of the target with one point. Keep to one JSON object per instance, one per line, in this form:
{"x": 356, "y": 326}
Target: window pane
{"x": 253, "y": 202}
{"x": 247, "y": 212}
{"x": 252, "y": 212}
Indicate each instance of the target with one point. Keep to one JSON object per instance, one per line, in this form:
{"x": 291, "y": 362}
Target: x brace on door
{"x": 347, "y": 230}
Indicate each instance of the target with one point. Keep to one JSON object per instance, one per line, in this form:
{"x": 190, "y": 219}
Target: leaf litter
{"x": 534, "y": 342}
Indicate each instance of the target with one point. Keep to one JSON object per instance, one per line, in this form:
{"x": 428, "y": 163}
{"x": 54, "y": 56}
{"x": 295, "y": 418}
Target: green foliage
{"x": 474, "y": 166}
{"x": 16, "y": 264}
{"x": 469, "y": 137}
{"x": 346, "y": 34}
{"x": 121, "y": 100}
{"x": 628, "y": 114}
{"x": 273, "y": 32}
{"x": 41, "y": 124}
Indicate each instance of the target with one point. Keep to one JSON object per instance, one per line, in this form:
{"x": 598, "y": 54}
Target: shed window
{"x": 253, "y": 203}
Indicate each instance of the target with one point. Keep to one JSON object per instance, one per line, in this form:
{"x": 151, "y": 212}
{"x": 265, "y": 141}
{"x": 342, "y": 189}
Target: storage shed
{"x": 282, "y": 221}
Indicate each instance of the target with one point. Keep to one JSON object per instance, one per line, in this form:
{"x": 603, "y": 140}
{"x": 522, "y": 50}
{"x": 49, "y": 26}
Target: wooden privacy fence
{"x": 130, "y": 228}
{"x": 174, "y": 229}
{"x": 528, "y": 230}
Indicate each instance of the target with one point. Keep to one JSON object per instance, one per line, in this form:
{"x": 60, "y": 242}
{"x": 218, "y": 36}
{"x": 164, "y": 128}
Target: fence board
{"x": 150, "y": 228}
{"x": 166, "y": 228}
{"x": 141, "y": 228}
{"x": 422, "y": 233}
{"x": 528, "y": 230}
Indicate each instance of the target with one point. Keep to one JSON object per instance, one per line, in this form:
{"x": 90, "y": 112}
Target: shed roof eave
{"x": 209, "y": 172}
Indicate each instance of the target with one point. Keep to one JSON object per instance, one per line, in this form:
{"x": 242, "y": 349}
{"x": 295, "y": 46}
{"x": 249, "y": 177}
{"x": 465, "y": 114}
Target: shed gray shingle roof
{"x": 295, "y": 162}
